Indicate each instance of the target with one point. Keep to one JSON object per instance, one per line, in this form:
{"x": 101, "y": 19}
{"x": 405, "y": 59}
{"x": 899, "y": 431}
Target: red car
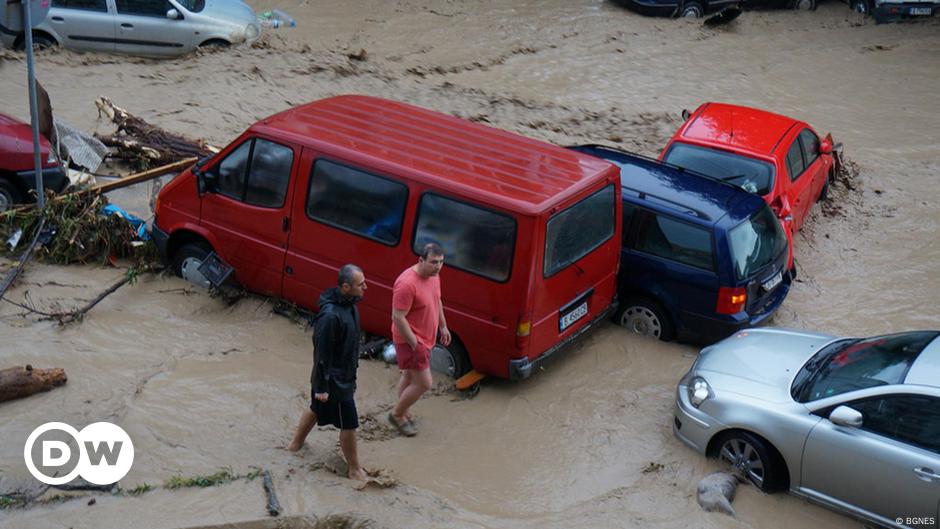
{"x": 779, "y": 158}
{"x": 17, "y": 169}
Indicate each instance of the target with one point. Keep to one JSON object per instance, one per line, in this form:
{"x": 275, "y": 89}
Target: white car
{"x": 142, "y": 27}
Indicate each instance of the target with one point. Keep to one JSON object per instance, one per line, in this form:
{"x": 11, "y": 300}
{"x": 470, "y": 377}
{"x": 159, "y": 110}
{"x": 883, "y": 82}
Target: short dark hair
{"x": 347, "y": 274}
{"x": 431, "y": 248}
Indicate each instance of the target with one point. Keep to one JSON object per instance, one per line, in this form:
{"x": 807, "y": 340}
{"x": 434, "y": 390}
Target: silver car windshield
{"x": 754, "y": 176}
{"x": 756, "y": 242}
{"x": 849, "y": 365}
{"x": 193, "y": 6}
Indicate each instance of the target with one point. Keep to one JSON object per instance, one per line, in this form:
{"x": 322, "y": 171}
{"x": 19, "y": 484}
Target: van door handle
{"x": 285, "y": 224}
{"x": 289, "y": 271}
{"x": 926, "y": 474}
{"x": 126, "y": 25}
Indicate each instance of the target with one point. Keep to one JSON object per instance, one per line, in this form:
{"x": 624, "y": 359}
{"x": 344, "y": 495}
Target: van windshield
{"x": 756, "y": 242}
{"x": 753, "y": 176}
{"x": 579, "y": 229}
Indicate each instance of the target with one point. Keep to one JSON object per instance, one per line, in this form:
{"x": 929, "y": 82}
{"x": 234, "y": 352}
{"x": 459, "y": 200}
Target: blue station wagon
{"x": 700, "y": 259}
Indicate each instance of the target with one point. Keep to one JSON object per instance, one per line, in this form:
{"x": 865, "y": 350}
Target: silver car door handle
{"x": 58, "y": 19}
{"x": 126, "y": 25}
{"x": 926, "y": 474}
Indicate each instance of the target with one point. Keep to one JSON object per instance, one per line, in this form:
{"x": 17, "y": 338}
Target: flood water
{"x": 200, "y": 386}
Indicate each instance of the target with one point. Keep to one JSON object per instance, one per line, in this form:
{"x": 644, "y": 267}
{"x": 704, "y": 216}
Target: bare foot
{"x": 294, "y": 447}
{"x": 357, "y": 474}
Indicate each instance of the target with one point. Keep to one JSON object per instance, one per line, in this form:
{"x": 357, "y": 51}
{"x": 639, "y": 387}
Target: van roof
{"x": 489, "y": 164}
{"x": 685, "y": 192}
{"x": 742, "y": 128}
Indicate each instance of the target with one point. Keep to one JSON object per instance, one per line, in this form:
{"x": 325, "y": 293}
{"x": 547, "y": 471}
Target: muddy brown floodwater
{"x": 587, "y": 442}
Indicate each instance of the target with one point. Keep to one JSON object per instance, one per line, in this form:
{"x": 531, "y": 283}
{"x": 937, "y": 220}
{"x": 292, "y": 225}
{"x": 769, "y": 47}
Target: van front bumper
{"x": 521, "y": 368}
{"x": 160, "y": 238}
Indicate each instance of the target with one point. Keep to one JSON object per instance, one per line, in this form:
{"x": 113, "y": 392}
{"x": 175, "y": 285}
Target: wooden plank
{"x": 468, "y": 380}
{"x": 149, "y": 174}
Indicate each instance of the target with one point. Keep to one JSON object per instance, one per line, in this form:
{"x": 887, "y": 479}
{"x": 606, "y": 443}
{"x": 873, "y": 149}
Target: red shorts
{"x": 418, "y": 359}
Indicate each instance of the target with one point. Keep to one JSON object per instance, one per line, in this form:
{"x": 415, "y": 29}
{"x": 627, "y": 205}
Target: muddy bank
{"x": 201, "y": 386}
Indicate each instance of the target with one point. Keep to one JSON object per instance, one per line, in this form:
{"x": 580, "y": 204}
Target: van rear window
{"x": 756, "y": 242}
{"x": 578, "y": 230}
{"x": 356, "y": 201}
{"x": 476, "y": 240}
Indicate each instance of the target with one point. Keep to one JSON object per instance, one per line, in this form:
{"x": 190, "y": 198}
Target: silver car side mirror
{"x": 173, "y": 14}
{"x": 846, "y": 416}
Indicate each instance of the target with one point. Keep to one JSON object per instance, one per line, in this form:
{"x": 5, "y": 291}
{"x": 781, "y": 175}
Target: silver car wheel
{"x": 745, "y": 459}
{"x": 642, "y": 321}
{"x": 189, "y": 269}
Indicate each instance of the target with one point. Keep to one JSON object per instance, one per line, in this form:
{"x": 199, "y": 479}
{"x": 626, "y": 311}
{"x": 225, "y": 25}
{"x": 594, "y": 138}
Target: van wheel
{"x": 186, "y": 262}
{"x": 645, "y": 317}
{"x": 9, "y": 195}
{"x": 452, "y": 360}
{"x": 751, "y": 457}
{"x": 861, "y": 7}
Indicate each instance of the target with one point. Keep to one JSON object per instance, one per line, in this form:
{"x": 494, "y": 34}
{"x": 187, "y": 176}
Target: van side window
{"x": 474, "y": 239}
{"x": 677, "y": 241}
{"x": 86, "y": 5}
{"x": 357, "y": 201}
{"x": 269, "y": 174}
{"x": 795, "y": 160}
{"x": 256, "y": 172}
{"x": 232, "y": 172}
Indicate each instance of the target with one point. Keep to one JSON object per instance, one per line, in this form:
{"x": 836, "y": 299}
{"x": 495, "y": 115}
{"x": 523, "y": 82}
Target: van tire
{"x": 452, "y": 360}
{"x": 9, "y": 195}
{"x": 187, "y": 258}
{"x": 645, "y": 317}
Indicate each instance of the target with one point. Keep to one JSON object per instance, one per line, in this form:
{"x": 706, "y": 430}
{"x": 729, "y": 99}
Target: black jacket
{"x": 335, "y": 345}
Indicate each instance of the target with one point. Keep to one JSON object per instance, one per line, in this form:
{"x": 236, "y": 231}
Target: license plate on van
{"x": 772, "y": 283}
{"x": 921, "y": 11}
{"x": 573, "y": 315}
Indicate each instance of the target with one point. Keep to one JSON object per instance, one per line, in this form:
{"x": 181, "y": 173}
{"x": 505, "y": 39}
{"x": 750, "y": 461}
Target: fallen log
{"x": 274, "y": 506}
{"x": 18, "y": 382}
{"x": 143, "y": 144}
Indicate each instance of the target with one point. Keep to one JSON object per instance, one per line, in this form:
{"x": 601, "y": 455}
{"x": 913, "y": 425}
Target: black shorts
{"x": 339, "y": 413}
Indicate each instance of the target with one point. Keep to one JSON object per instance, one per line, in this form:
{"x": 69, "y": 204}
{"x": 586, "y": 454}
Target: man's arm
{"x": 324, "y": 341}
{"x": 398, "y": 319}
{"x": 445, "y": 332}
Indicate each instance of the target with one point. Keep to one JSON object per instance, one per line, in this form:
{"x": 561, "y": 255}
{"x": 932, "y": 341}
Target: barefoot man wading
{"x": 417, "y": 315}
{"x": 335, "y": 361}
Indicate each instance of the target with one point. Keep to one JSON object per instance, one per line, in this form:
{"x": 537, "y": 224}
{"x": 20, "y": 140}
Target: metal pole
{"x": 33, "y": 111}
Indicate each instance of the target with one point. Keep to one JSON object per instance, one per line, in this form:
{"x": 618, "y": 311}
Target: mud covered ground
{"x": 201, "y": 386}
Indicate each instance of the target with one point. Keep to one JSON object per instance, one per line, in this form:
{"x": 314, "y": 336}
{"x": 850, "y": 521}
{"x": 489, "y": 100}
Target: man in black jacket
{"x": 335, "y": 361}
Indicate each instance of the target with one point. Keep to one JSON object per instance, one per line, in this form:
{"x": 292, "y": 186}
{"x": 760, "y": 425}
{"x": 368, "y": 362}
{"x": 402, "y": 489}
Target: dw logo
{"x": 102, "y": 453}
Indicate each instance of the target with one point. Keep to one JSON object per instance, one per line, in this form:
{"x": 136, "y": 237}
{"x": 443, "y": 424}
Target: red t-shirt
{"x": 421, "y": 298}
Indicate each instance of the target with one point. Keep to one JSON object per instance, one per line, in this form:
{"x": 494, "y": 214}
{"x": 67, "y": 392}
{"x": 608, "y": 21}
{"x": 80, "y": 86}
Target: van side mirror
{"x": 825, "y": 147}
{"x": 846, "y": 416}
{"x": 173, "y": 14}
{"x": 686, "y": 115}
{"x": 205, "y": 180}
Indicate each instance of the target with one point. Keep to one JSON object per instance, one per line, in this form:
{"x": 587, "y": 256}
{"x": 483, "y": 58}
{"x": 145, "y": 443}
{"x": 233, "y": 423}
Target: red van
{"x": 530, "y": 231}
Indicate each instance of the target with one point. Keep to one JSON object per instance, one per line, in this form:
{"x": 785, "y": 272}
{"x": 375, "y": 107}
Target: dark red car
{"x": 779, "y": 158}
{"x": 17, "y": 168}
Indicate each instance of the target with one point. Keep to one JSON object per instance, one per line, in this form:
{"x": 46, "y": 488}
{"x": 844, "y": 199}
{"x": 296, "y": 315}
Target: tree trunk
{"x": 18, "y": 382}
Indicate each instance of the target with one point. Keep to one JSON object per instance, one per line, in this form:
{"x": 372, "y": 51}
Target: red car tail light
{"x": 731, "y": 300}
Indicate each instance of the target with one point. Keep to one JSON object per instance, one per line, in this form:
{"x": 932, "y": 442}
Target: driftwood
{"x": 143, "y": 144}
{"x": 18, "y": 382}
{"x": 274, "y": 506}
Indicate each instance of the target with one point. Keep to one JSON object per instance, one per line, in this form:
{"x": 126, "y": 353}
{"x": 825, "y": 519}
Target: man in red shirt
{"x": 417, "y": 316}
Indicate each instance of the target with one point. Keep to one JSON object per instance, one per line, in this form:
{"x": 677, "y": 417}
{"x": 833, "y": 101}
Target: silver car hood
{"x": 759, "y": 363}
{"x": 234, "y": 11}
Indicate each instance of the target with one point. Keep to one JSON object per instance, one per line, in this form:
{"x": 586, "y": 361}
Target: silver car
{"x": 143, "y": 27}
{"x": 850, "y": 423}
